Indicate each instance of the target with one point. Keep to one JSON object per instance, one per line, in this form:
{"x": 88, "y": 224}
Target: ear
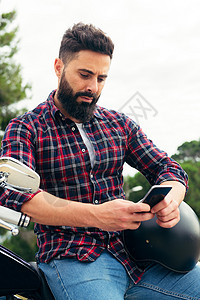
{"x": 58, "y": 67}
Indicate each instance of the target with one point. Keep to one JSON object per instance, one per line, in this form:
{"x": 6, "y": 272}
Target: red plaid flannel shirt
{"x": 50, "y": 144}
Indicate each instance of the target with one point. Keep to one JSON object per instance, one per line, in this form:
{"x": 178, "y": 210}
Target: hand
{"x": 121, "y": 214}
{"x": 167, "y": 211}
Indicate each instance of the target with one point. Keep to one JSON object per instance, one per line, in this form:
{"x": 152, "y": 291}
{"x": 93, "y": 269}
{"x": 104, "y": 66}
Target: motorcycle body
{"x": 19, "y": 277}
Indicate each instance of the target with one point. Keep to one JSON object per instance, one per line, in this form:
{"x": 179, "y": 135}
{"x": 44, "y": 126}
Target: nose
{"x": 92, "y": 86}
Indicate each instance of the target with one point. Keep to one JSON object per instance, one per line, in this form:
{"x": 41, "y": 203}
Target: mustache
{"x": 87, "y": 94}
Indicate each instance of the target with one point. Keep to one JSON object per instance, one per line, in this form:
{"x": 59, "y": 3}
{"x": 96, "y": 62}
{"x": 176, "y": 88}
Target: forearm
{"x": 47, "y": 209}
{"x": 113, "y": 215}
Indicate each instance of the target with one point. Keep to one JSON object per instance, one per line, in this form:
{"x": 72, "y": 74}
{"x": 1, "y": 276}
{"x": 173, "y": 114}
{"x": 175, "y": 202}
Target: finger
{"x": 172, "y": 208}
{"x": 166, "y": 218}
{"x": 161, "y": 205}
{"x": 168, "y": 224}
{"x": 134, "y": 225}
{"x": 169, "y": 220}
{"x": 139, "y": 207}
{"x": 140, "y": 217}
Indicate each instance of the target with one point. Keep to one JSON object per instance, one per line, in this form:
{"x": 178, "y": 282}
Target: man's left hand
{"x": 167, "y": 211}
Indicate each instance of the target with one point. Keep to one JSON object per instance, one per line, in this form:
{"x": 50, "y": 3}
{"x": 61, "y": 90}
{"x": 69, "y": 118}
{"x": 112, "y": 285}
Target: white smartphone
{"x": 156, "y": 194}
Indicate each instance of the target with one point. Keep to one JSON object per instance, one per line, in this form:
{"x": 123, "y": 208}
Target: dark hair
{"x": 84, "y": 37}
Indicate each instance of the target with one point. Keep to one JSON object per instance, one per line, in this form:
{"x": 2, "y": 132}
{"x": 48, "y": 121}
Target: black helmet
{"x": 177, "y": 248}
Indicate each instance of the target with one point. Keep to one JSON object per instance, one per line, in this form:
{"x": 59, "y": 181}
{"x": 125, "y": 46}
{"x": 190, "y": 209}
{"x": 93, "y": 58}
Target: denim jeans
{"x": 106, "y": 279}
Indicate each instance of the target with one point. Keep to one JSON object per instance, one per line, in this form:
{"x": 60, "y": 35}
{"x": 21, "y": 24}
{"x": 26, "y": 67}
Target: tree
{"x": 188, "y": 151}
{"x": 131, "y": 184}
{"x": 188, "y": 155}
{"x": 193, "y": 194}
{"x": 23, "y": 244}
{"x": 12, "y": 89}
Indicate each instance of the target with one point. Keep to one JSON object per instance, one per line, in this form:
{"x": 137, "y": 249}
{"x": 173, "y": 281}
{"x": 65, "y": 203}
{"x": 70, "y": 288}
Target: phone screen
{"x": 156, "y": 194}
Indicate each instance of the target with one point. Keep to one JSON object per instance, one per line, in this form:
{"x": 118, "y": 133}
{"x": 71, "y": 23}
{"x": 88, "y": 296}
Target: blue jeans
{"x": 106, "y": 279}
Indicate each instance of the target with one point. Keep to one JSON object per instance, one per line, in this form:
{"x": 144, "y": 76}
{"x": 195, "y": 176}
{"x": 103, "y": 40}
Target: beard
{"x": 82, "y": 111}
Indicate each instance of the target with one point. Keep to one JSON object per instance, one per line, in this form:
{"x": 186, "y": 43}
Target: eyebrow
{"x": 92, "y": 73}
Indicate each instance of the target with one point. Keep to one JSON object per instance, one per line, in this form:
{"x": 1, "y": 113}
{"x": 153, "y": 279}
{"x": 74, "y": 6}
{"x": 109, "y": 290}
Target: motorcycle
{"x": 21, "y": 279}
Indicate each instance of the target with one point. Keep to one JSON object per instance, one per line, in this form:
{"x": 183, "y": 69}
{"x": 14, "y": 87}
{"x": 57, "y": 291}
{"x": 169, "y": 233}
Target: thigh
{"x": 160, "y": 283}
{"x": 71, "y": 279}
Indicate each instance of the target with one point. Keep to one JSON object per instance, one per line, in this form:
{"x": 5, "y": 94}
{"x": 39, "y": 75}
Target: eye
{"x": 101, "y": 79}
{"x": 83, "y": 75}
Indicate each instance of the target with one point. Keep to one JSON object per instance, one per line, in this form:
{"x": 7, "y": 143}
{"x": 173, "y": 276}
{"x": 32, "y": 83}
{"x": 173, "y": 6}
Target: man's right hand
{"x": 121, "y": 214}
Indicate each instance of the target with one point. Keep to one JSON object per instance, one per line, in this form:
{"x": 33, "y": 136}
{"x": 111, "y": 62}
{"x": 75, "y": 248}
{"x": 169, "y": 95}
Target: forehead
{"x": 92, "y": 61}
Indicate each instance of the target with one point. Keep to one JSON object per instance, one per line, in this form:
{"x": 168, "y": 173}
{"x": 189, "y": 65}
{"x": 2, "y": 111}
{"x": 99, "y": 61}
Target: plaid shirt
{"x": 51, "y": 144}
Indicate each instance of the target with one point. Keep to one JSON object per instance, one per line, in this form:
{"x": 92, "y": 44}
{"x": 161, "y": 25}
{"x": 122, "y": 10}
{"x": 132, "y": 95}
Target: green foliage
{"x": 24, "y": 244}
{"x": 188, "y": 151}
{"x": 136, "y": 181}
{"x": 12, "y": 89}
{"x": 193, "y": 194}
{"x": 188, "y": 155}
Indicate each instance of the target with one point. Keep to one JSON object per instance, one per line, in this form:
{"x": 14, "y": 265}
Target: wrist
{"x": 89, "y": 214}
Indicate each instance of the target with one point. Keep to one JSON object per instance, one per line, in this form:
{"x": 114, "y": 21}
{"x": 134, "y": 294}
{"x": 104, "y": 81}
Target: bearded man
{"x": 79, "y": 148}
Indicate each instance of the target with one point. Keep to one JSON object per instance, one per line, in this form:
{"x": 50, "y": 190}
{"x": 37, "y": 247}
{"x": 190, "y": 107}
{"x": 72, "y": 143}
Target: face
{"x": 80, "y": 84}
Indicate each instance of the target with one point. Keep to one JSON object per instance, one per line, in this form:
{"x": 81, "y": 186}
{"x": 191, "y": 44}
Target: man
{"x": 79, "y": 150}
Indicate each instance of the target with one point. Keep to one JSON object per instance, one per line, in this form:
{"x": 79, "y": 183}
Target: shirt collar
{"x": 53, "y": 108}
{"x": 97, "y": 112}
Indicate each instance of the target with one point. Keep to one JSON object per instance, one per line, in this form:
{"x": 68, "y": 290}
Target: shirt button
{"x": 96, "y": 201}
{"x": 83, "y": 150}
{"x": 91, "y": 176}
{"x": 73, "y": 128}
